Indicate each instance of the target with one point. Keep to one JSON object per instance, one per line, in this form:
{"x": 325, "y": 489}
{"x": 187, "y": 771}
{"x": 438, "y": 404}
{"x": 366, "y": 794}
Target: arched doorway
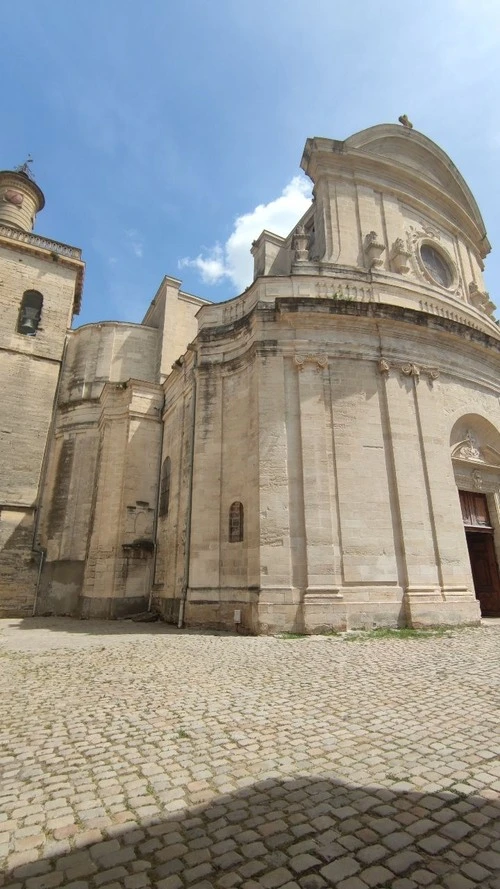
{"x": 475, "y": 451}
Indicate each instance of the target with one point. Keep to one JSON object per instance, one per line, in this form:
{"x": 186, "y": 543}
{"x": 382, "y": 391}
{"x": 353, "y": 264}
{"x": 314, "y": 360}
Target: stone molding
{"x": 469, "y": 479}
{"x": 408, "y": 369}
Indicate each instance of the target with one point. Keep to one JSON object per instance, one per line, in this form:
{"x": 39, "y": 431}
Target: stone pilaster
{"x": 444, "y": 507}
{"x": 422, "y": 582}
{"x": 323, "y": 580}
{"x": 275, "y": 558}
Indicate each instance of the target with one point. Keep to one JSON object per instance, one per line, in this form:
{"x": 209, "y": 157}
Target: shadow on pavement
{"x": 306, "y": 832}
{"x": 119, "y": 627}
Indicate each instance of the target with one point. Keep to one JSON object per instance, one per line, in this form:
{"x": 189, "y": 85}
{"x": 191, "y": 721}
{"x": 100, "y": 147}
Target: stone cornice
{"x": 294, "y": 305}
{"x": 50, "y": 251}
{"x": 328, "y": 280}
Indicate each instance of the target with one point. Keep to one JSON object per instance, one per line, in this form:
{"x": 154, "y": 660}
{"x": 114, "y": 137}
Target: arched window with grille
{"x": 165, "y": 487}
{"x": 30, "y": 312}
{"x": 236, "y": 522}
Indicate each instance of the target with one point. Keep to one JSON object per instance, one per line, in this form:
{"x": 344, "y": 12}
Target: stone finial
{"x": 300, "y": 244}
{"x": 400, "y": 257}
{"x": 373, "y": 250}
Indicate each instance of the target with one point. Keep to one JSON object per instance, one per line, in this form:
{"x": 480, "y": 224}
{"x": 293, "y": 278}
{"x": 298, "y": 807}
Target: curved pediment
{"x": 475, "y": 440}
{"x": 408, "y": 148}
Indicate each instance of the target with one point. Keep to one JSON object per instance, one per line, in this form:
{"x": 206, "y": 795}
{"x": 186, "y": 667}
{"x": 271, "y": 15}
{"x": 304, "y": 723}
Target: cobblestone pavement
{"x": 136, "y": 756}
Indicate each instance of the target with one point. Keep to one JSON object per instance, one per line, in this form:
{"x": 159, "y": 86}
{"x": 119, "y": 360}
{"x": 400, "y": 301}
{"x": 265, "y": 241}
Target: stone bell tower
{"x": 40, "y": 289}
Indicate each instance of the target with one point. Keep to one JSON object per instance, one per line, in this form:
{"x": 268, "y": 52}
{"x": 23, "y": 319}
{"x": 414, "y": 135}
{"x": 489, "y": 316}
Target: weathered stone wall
{"x": 96, "y": 354}
{"x": 118, "y": 570}
{"x": 18, "y": 565}
{"x": 173, "y": 313}
{"x": 109, "y": 351}
{"x": 29, "y": 370}
{"x": 171, "y": 567}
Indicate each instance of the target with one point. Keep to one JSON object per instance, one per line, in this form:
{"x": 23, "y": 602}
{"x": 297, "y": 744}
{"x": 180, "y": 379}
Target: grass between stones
{"x": 378, "y": 633}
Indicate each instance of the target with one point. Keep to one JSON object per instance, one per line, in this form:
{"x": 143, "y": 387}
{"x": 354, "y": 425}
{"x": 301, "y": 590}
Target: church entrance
{"x": 480, "y": 542}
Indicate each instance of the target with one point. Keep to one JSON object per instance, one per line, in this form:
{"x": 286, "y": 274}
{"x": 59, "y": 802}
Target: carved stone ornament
{"x": 13, "y": 197}
{"x": 373, "y": 250}
{"x": 300, "y": 244}
{"x": 400, "y": 257}
{"x": 469, "y": 449}
{"x": 477, "y": 480}
{"x": 408, "y": 369}
{"x": 480, "y": 299}
{"x": 344, "y": 290}
{"x": 321, "y": 361}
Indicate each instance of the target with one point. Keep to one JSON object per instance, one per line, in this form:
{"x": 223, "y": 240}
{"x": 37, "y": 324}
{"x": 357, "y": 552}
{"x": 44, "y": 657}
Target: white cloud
{"x": 135, "y": 242}
{"x": 233, "y": 260}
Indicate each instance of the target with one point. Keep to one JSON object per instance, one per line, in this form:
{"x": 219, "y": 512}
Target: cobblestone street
{"x": 137, "y": 755}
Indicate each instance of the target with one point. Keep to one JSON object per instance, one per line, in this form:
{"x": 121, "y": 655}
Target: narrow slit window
{"x": 165, "y": 487}
{"x": 30, "y": 313}
{"x": 236, "y": 522}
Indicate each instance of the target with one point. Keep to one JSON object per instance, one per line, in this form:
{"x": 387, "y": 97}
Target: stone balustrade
{"x": 36, "y": 241}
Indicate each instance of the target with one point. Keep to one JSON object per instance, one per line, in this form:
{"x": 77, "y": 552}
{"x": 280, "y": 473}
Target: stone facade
{"x": 288, "y": 460}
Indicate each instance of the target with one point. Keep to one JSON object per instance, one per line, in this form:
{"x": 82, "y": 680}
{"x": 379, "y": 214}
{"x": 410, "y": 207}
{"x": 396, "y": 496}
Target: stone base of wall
{"x": 111, "y": 608}
{"x": 60, "y": 587}
{"x": 220, "y": 616}
{"x": 17, "y": 607}
{"x": 168, "y": 609}
{"x": 216, "y": 611}
{"x": 311, "y": 618}
{"x": 433, "y": 611}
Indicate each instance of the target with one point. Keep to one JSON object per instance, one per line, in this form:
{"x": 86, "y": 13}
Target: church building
{"x": 321, "y": 452}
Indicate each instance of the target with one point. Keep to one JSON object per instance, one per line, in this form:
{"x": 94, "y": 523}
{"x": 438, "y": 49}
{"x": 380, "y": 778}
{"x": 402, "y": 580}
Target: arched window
{"x": 30, "y": 313}
{"x": 165, "y": 487}
{"x": 236, "y": 522}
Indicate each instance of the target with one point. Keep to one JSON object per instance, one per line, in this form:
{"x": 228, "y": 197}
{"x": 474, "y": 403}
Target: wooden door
{"x": 474, "y": 509}
{"x": 484, "y": 571}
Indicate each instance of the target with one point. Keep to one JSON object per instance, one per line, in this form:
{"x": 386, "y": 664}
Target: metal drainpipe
{"x": 185, "y": 585}
{"x": 40, "y": 550}
{"x": 157, "y": 511}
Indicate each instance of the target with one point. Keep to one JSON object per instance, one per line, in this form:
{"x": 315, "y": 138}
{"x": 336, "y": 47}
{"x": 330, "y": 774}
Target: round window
{"x": 436, "y": 265}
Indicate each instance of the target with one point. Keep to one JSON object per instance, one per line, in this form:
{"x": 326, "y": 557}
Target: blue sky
{"x": 156, "y": 126}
